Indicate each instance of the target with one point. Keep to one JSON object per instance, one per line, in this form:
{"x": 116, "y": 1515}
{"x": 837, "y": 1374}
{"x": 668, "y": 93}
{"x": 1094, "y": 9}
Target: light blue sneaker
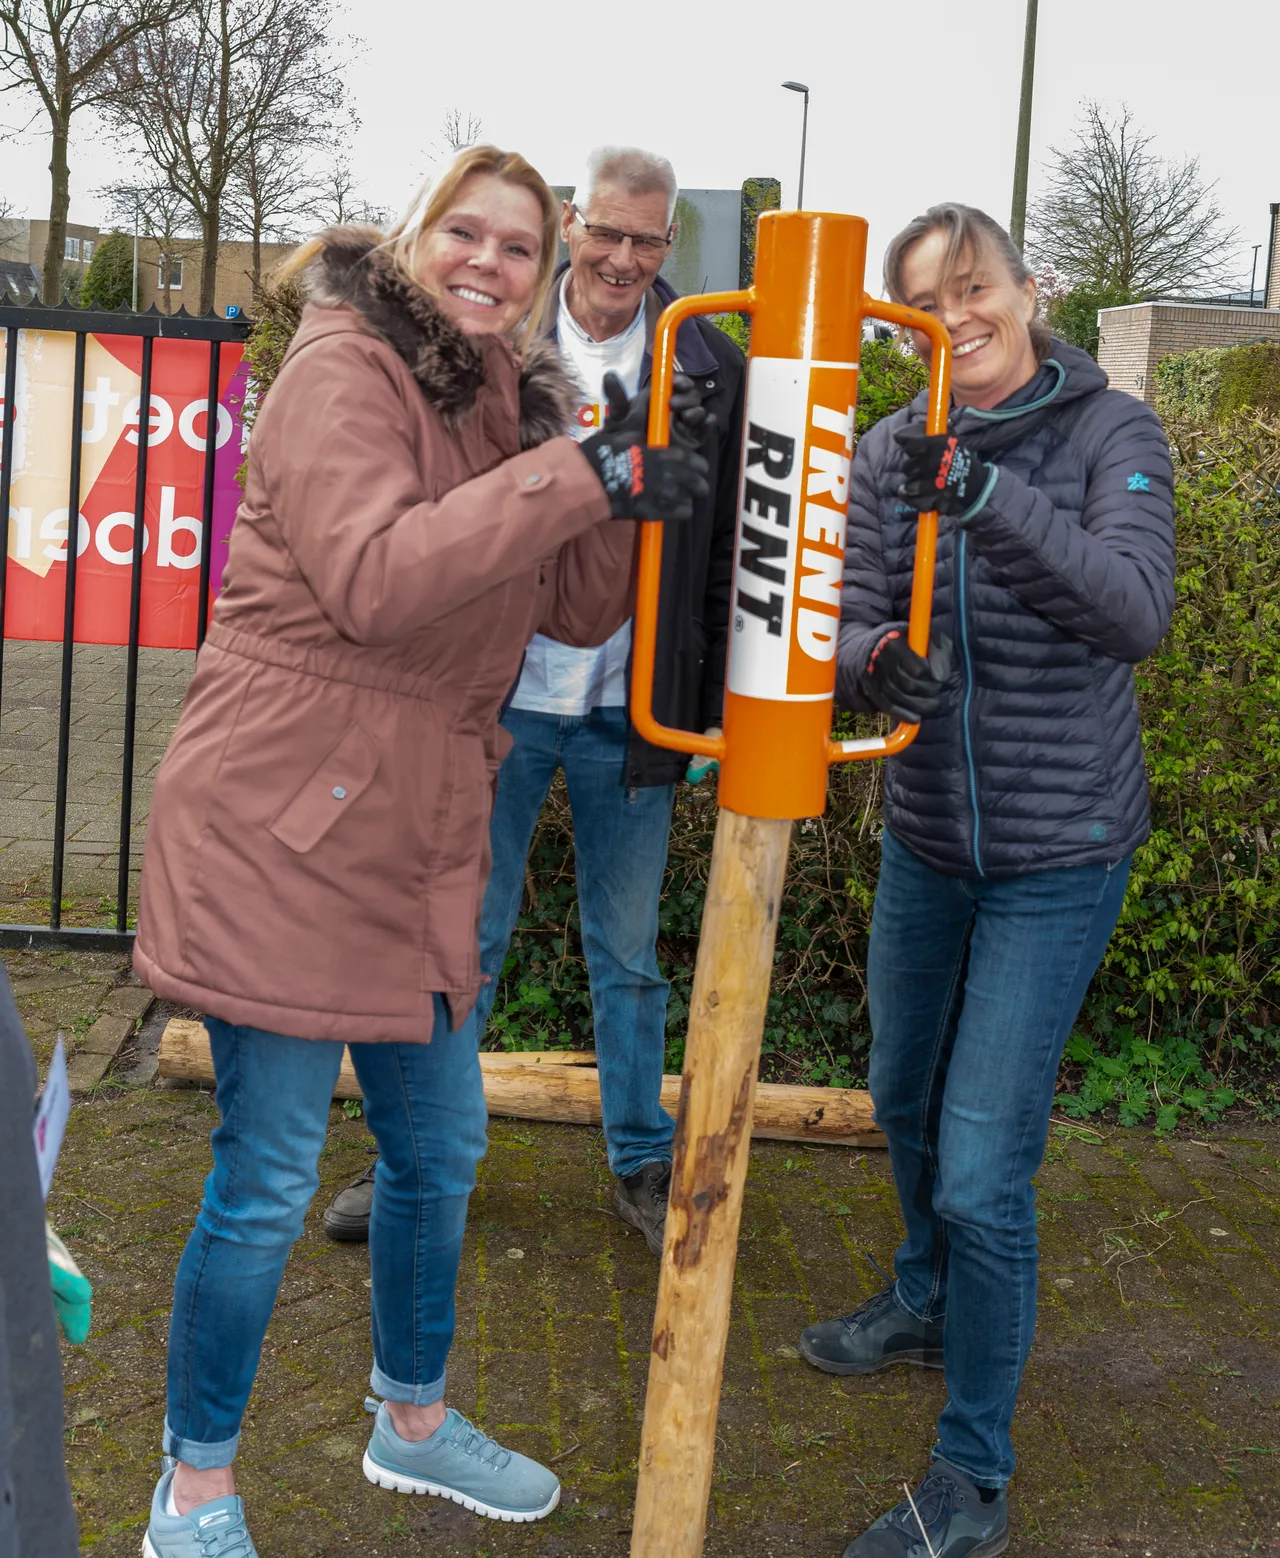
{"x": 212, "y": 1530}
{"x": 458, "y": 1462}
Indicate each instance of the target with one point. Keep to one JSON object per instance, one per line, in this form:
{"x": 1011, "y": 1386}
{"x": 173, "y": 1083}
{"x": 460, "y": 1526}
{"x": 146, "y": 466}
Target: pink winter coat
{"x": 318, "y": 843}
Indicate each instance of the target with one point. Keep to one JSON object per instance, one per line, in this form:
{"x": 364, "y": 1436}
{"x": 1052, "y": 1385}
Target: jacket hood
{"x": 353, "y": 271}
{"x": 1066, "y": 374}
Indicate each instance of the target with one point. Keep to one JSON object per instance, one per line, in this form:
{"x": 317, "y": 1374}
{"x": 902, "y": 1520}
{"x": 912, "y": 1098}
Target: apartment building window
{"x": 71, "y": 249}
{"x": 86, "y": 250}
{"x": 173, "y": 267}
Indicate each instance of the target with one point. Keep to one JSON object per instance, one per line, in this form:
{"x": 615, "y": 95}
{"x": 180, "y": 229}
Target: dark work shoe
{"x": 955, "y": 1521}
{"x": 346, "y": 1218}
{"x": 641, "y": 1200}
{"x": 876, "y": 1334}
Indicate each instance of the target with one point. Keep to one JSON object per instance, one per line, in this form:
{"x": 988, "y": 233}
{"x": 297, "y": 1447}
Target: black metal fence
{"x": 82, "y": 323}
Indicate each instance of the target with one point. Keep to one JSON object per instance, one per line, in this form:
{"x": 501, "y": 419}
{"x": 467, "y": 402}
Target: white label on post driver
{"x": 789, "y": 565}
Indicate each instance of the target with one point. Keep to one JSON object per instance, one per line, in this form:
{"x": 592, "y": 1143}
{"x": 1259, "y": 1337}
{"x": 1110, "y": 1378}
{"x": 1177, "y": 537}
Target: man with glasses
{"x": 569, "y": 709}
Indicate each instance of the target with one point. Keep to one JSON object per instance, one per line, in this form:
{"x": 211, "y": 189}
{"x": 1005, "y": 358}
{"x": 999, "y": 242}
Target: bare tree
{"x": 1115, "y": 215}
{"x": 60, "y": 52}
{"x": 459, "y": 130}
{"x": 337, "y": 201}
{"x": 150, "y": 208}
{"x": 234, "y": 75}
{"x": 271, "y": 191}
{"x": 10, "y": 225}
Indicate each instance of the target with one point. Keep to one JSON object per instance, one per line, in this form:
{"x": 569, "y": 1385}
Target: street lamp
{"x": 799, "y": 86}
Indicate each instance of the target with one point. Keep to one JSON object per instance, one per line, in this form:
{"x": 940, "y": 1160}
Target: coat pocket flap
{"x": 336, "y": 785}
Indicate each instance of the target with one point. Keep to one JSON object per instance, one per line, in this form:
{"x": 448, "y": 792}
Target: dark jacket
{"x": 697, "y": 556}
{"x": 36, "y": 1518}
{"x": 1051, "y": 594}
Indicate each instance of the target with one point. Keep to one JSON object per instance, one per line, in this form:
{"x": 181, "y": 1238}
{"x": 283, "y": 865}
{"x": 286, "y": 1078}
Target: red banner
{"x": 172, "y": 526}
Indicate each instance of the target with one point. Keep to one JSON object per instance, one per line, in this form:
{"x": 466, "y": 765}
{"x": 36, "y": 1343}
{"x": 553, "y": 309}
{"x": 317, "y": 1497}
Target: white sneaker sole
{"x": 148, "y": 1551}
{"x": 398, "y": 1482}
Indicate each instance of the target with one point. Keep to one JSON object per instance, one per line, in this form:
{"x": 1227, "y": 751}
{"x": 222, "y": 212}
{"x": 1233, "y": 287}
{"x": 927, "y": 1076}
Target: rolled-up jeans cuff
{"x": 203, "y": 1457}
{"x": 412, "y": 1395}
{"x": 907, "y": 1309}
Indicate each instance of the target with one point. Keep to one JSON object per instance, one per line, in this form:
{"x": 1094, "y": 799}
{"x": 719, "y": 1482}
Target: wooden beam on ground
{"x": 564, "y": 1086}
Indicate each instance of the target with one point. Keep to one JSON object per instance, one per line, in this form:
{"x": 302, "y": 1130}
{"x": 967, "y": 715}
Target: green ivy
{"x": 889, "y": 376}
{"x": 1213, "y": 384}
{"x": 1074, "y": 317}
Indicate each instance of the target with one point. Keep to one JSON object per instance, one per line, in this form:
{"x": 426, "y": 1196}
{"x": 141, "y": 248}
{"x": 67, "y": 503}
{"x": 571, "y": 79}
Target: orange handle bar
{"x": 645, "y": 641}
{"x": 650, "y": 562}
{"x": 903, "y": 735}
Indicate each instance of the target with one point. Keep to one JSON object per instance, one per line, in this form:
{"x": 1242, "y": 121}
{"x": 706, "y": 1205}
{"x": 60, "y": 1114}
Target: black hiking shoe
{"x": 346, "y": 1218}
{"x": 876, "y": 1334}
{"x": 949, "y": 1521}
{"x": 641, "y": 1200}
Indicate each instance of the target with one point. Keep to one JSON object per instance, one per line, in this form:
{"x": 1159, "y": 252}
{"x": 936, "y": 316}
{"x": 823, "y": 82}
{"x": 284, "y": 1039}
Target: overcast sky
{"x": 911, "y": 103}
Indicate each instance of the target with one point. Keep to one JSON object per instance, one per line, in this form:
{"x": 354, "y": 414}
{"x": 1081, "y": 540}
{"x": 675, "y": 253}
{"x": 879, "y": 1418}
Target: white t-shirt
{"x": 558, "y": 679}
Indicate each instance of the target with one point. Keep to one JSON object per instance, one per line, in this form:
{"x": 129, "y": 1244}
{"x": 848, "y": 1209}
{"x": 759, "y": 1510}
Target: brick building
{"x": 177, "y": 261}
{"x": 22, "y": 246}
{"x": 1273, "y": 259}
{"x": 1133, "y": 340}
{"x": 180, "y": 262}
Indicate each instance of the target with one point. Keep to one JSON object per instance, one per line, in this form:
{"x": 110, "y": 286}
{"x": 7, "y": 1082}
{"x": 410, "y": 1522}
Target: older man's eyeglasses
{"x": 611, "y": 238}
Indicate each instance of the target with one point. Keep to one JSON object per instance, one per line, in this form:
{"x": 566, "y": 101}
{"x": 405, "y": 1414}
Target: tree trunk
{"x": 564, "y": 1085}
{"x": 257, "y": 258}
{"x": 59, "y": 200}
{"x": 209, "y": 259}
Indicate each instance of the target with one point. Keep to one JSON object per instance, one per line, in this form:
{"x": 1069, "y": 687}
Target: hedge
{"x": 1216, "y": 383}
{"x": 1184, "y": 1016}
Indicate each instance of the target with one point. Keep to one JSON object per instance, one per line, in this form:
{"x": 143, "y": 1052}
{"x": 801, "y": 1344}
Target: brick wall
{"x": 234, "y": 284}
{"x": 1133, "y": 340}
{"x": 1273, "y": 266}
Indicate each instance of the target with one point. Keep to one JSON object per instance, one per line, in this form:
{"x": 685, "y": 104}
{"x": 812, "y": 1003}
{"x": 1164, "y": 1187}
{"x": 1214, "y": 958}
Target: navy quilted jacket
{"x": 1050, "y": 594}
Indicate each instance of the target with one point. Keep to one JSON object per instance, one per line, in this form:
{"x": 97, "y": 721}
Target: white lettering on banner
{"x": 53, "y": 527}
{"x": 101, "y": 398}
{"x": 187, "y": 424}
{"x": 166, "y": 557}
{"x": 53, "y": 531}
{"x": 161, "y": 420}
{"x": 102, "y": 537}
{"x": 20, "y": 520}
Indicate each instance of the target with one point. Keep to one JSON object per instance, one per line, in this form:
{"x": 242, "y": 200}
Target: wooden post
{"x": 807, "y": 306}
{"x": 713, "y": 1134}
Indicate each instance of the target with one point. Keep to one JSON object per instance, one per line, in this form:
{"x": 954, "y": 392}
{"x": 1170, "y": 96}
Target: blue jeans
{"x": 620, "y": 841}
{"x": 974, "y": 985}
{"x": 425, "y": 1105}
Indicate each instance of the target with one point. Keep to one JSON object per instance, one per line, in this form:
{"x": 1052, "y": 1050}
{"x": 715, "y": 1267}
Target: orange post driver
{"x": 807, "y": 307}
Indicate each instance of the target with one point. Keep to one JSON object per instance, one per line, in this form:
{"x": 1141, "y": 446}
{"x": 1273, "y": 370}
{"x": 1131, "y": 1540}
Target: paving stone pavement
{"x": 28, "y": 765}
{"x": 1149, "y": 1423}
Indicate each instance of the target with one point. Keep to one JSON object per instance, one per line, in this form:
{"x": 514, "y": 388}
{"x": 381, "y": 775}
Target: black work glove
{"x": 941, "y": 473}
{"x": 642, "y": 482}
{"x": 902, "y": 683}
{"x": 691, "y": 422}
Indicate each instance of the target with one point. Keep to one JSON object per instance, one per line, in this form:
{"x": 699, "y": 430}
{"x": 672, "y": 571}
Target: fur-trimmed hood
{"x": 351, "y": 270}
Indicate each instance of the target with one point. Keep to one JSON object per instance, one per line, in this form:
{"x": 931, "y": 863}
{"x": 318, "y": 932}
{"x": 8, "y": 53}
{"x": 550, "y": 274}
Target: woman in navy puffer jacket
{"x": 1010, "y": 823}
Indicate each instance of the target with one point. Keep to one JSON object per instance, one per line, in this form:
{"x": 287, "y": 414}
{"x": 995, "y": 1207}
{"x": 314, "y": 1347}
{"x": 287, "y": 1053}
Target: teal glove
{"x": 72, "y": 1293}
{"x": 699, "y": 766}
